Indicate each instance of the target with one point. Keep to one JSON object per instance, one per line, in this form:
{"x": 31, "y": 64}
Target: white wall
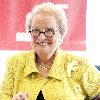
{"x": 93, "y": 30}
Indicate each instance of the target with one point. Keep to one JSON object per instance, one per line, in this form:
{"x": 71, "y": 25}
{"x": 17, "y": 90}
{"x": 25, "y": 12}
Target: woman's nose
{"x": 42, "y": 37}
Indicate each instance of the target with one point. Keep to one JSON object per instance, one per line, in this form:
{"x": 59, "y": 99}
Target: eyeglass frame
{"x": 44, "y": 32}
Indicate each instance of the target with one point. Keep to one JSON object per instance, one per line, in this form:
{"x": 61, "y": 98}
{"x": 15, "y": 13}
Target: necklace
{"x": 43, "y": 66}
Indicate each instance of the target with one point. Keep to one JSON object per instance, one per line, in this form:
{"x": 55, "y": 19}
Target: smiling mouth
{"x": 42, "y": 44}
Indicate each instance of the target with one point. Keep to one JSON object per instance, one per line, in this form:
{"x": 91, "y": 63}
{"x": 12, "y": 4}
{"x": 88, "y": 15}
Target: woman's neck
{"x": 45, "y": 61}
{"x": 44, "y": 65}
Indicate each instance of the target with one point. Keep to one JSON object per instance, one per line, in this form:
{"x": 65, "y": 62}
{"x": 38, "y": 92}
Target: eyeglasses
{"x": 48, "y": 32}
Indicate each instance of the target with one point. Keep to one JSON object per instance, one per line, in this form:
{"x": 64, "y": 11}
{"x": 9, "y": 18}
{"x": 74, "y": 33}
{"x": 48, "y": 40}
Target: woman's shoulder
{"x": 20, "y": 56}
{"x": 73, "y": 56}
{"x": 19, "y": 61}
{"x": 77, "y": 61}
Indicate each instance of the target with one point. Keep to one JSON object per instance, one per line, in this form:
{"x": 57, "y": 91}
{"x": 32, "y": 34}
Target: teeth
{"x": 43, "y": 43}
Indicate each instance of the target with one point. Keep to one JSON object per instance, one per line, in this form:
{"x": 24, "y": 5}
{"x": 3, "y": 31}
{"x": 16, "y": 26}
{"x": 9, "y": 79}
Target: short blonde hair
{"x": 48, "y": 8}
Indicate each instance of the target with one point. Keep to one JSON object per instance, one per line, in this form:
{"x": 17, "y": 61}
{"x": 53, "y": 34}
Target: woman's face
{"x": 45, "y": 35}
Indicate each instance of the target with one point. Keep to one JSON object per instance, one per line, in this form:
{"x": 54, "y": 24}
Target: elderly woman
{"x": 47, "y": 69}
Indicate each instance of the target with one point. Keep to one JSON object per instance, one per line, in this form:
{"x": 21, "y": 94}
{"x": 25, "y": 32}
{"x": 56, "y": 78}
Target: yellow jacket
{"x": 70, "y": 78}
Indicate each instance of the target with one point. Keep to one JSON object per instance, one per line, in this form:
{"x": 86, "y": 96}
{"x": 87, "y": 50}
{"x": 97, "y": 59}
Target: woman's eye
{"x": 35, "y": 30}
{"x": 50, "y": 30}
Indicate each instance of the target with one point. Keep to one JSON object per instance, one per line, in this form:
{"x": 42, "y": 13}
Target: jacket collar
{"x": 58, "y": 68}
{"x": 30, "y": 66}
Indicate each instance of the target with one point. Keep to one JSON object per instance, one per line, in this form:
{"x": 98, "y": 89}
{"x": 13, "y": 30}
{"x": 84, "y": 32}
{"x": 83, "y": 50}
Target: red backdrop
{"x": 12, "y": 20}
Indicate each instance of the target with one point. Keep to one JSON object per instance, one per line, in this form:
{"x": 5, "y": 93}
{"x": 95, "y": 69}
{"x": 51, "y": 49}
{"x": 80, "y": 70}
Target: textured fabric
{"x": 70, "y": 78}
